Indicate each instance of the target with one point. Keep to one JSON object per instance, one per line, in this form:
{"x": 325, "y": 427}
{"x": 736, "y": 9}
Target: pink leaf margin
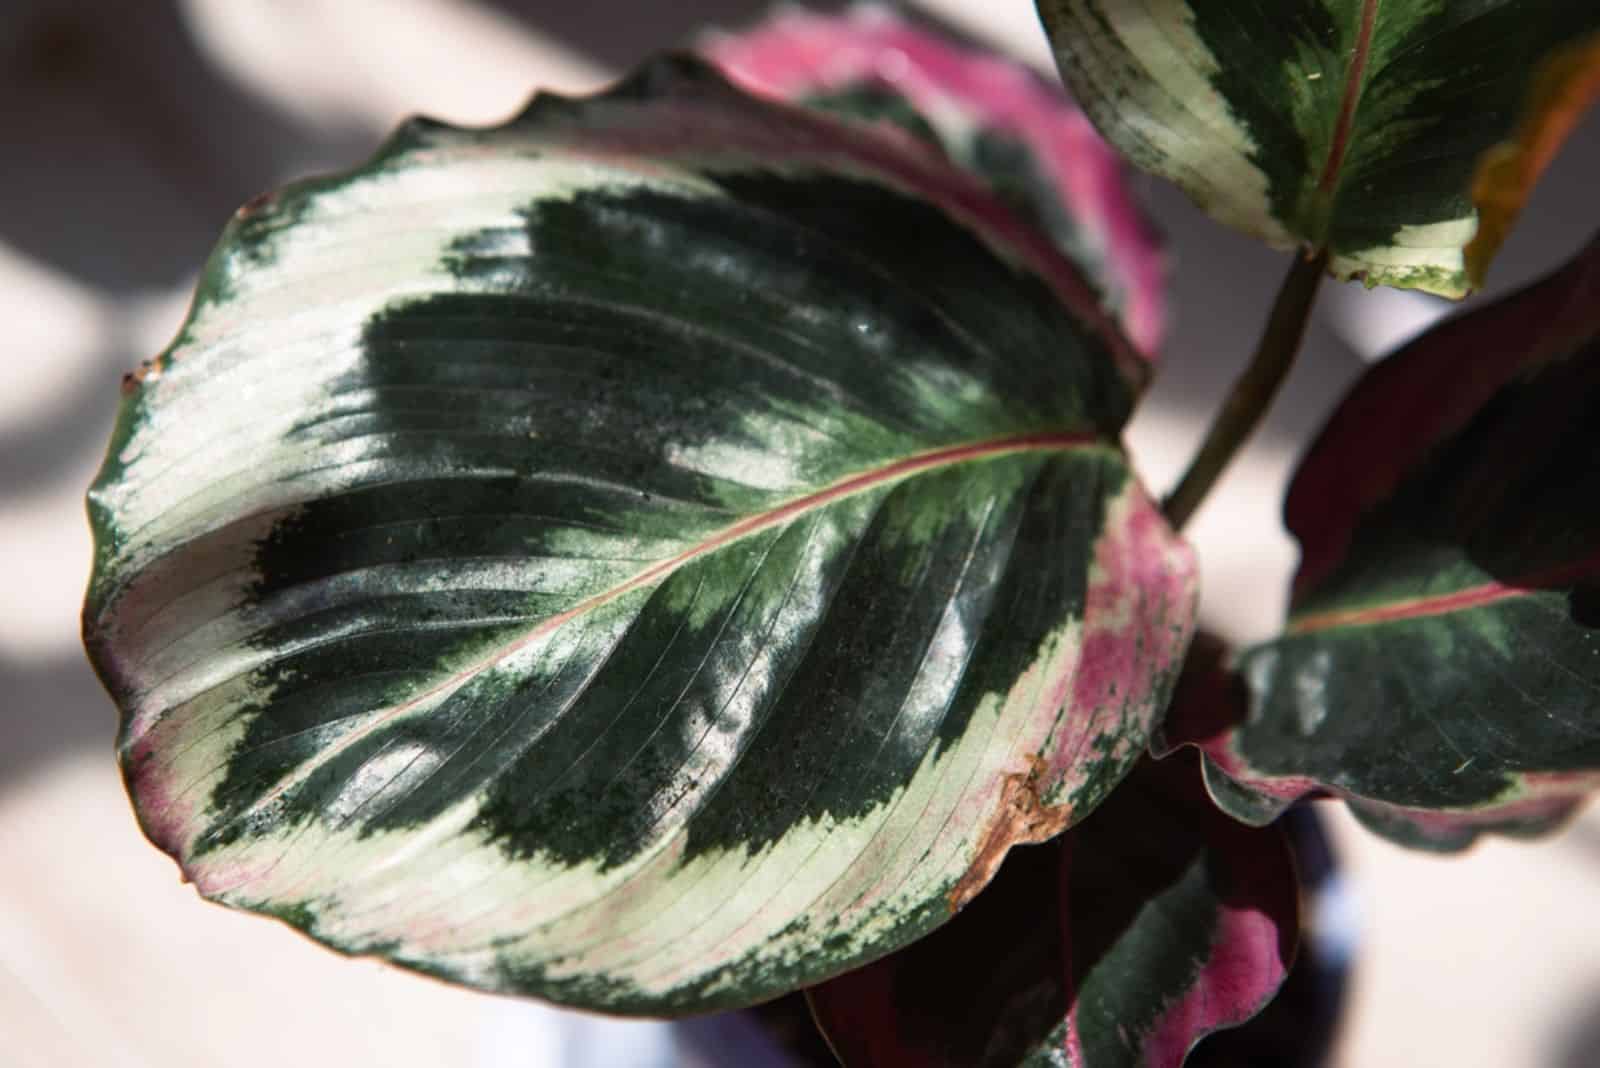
{"x": 798, "y": 53}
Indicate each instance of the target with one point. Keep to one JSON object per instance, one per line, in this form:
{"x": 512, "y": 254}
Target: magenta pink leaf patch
{"x": 990, "y": 114}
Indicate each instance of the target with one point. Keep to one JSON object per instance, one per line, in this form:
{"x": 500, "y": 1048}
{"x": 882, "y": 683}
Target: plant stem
{"x": 1254, "y": 389}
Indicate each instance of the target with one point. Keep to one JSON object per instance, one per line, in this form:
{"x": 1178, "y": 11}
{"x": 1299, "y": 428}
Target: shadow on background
{"x": 54, "y": 441}
{"x": 1579, "y": 1045}
{"x": 126, "y": 152}
{"x": 52, "y": 706}
{"x": 126, "y": 149}
{"x": 620, "y": 33}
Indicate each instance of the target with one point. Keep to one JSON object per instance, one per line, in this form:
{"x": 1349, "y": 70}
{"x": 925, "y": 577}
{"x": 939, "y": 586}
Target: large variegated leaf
{"x": 988, "y": 114}
{"x": 653, "y": 554}
{"x": 1349, "y": 125}
{"x": 1441, "y": 666}
{"x": 1120, "y": 944}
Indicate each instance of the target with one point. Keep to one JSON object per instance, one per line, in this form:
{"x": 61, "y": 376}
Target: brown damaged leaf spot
{"x": 1023, "y": 819}
{"x": 135, "y": 378}
{"x": 257, "y": 204}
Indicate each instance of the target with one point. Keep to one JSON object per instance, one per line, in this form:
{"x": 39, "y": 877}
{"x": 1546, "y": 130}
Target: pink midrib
{"x": 1353, "y": 84}
{"x": 1446, "y": 603}
{"x": 777, "y": 516}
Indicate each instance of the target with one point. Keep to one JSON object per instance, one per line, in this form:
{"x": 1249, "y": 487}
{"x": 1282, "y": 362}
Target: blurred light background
{"x": 130, "y": 131}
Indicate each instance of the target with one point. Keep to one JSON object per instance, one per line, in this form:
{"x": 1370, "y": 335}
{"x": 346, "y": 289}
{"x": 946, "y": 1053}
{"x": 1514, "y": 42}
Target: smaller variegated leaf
{"x": 1353, "y": 126}
{"x": 1121, "y": 944}
{"x": 652, "y": 555}
{"x": 990, "y": 115}
{"x": 1441, "y": 664}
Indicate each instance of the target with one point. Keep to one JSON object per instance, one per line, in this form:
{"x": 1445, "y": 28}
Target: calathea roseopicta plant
{"x": 663, "y": 552}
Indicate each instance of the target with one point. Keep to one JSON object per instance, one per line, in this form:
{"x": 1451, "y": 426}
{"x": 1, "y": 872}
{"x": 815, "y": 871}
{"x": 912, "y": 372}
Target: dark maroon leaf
{"x": 1123, "y": 942}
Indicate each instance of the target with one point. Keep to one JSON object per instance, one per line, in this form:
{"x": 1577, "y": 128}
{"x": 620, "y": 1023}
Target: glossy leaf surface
{"x": 989, "y": 115}
{"x": 1441, "y": 665}
{"x": 651, "y": 555}
{"x": 1122, "y": 943}
{"x": 1350, "y": 125}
